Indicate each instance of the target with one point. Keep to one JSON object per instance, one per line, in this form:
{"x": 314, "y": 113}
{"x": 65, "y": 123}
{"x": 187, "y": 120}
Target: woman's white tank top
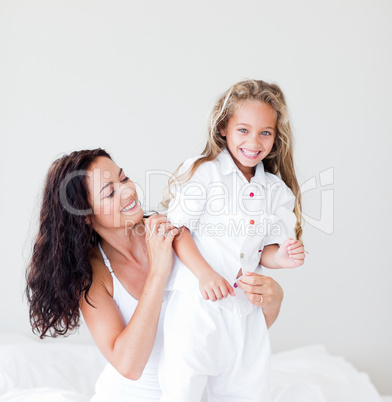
{"x": 111, "y": 385}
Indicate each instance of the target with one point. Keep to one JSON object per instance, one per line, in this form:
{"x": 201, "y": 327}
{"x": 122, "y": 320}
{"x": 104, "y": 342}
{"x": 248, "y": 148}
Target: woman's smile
{"x": 129, "y": 207}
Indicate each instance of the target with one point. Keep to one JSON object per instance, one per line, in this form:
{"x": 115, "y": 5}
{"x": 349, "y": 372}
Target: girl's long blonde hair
{"x": 279, "y": 161}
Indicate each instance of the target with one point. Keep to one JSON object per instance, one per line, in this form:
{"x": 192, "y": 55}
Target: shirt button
{"x": 251, "y": 195}
{"x": 252, "y": 222}
{"x": 260, "y": 251}
{"x": 242, "y": 255}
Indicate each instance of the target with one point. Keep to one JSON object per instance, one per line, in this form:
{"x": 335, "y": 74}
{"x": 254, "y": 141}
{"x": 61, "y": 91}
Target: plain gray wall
{"x": 139, "y": 77}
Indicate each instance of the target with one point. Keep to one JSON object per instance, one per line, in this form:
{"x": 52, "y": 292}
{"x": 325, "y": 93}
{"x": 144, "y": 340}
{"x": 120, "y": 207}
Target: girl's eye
{"x": 124, "y": 180}
{"x": 110, "y": 195}
{"x": 243, "y": 130}
{"x": 265, "y": 133}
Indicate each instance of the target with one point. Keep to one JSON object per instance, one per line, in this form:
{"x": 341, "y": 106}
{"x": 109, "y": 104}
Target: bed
{"x": 36, "y": 371}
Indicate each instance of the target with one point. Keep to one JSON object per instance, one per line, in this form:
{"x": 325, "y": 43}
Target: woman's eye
{"x": 124, "y": 180}
{"x": 110, "y": 195}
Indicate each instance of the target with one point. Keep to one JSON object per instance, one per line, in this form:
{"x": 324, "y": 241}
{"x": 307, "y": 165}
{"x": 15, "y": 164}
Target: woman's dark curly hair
{"x": 60, "y": 271}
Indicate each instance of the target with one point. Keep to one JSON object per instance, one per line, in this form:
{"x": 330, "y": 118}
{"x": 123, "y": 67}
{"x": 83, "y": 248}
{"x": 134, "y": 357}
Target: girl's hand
{"x": 159, "y": 238}
{"x": 214, "y": 287}
{"x": 291, "y": 254}
{"x": 261, "y": 290}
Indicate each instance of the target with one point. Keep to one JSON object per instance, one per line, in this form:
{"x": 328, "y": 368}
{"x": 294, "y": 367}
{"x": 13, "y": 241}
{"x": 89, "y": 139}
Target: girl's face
{"x": 250, "y": 134}
{"x": 112, "y": 196}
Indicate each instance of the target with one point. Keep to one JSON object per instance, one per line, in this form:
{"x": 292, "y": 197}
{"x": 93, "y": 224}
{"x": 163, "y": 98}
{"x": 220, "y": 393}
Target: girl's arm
{"x": 290, "y": 254}
{"x": 128, "y": 347}
{"x": 258, "y": 286}
{"x": 212, "y": 285}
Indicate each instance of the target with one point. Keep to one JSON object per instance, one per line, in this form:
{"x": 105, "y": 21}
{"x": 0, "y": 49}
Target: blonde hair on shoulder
{"x": 279, "y": 161}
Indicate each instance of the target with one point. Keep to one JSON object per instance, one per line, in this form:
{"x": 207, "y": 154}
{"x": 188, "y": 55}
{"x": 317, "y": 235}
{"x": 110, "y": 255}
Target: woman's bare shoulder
{"x": 102, "y": 277}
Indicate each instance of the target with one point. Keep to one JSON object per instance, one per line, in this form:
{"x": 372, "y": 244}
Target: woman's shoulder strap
{"x": 105, "y": 259}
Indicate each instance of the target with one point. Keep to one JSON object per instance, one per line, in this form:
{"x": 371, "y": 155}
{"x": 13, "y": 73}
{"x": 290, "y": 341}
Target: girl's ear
{"x": 223, "y": 132}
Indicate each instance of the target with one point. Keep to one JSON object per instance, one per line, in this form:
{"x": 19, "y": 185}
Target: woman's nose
{"x": 126, "y": 191}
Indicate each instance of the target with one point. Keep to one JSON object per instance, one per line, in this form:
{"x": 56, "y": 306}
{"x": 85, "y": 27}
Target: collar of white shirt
{"x": 228, "y": 166}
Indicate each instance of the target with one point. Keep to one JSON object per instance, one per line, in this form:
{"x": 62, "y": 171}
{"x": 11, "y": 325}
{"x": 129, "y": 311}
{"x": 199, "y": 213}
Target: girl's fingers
{"x": 298, "y": 256}
{"x": 287, "y": 243}
{"x": 211, "y": 295}
{"x": 218, "y": 293}
{"x": 230, "y": 289}
{"x": 296, "y": 250}
{"x": 224, "y": 291}
{"x": 296, "y": 246}
{"x": 298, "y": 261}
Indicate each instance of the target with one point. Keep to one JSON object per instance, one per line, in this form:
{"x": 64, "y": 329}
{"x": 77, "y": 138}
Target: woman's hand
{"x": 264, "y": 292}
{"x": 159, "y": 238}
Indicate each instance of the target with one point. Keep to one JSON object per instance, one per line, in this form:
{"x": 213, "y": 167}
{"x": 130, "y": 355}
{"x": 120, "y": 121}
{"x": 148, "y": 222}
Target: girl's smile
{"x": 250, "y": 154}
{"x": 250, "y": 134}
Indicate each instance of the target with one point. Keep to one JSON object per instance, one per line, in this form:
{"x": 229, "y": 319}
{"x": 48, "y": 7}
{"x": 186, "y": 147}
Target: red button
{"x": 252, "y": 222}
{"x": 251, "y": 195}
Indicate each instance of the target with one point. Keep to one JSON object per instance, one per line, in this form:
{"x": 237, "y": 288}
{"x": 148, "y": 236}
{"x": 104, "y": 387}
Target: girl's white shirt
{"x": 230, "y": 219}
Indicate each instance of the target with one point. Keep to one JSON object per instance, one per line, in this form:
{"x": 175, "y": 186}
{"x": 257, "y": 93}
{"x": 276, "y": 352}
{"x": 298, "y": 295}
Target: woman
{"x": 96, "y": 253}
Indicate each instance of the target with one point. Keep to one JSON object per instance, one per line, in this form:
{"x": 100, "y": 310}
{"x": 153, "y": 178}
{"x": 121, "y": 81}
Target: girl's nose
{"x": 255, "y": 138}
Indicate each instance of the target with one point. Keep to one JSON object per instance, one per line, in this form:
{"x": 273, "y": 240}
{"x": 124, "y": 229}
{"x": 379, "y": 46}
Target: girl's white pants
{"x": 219, "y": 351}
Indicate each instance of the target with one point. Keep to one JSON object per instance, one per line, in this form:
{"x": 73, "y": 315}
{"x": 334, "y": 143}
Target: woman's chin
{"x": 132, "y": 219}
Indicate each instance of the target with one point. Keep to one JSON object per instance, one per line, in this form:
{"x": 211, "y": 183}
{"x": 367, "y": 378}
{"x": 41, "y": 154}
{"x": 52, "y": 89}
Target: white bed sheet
{"x": 43, "y": 395}
{"x": 34, "y": 371}
{"x": 311, "y": 374}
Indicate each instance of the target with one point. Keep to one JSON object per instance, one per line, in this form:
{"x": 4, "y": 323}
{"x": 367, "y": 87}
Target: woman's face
{"x": 112, "y": 196}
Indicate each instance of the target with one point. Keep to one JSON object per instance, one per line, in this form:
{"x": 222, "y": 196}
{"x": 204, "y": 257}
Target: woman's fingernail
{"x": 235, "y": 285}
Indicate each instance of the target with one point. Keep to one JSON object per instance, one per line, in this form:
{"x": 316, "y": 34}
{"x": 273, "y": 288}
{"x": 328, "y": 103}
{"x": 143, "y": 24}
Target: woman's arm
{"x": 128, "y": 347}
{"x": 258, "y": 286}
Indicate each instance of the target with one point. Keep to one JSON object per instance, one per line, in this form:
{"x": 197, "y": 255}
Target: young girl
{"x": 235, "y": 213}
